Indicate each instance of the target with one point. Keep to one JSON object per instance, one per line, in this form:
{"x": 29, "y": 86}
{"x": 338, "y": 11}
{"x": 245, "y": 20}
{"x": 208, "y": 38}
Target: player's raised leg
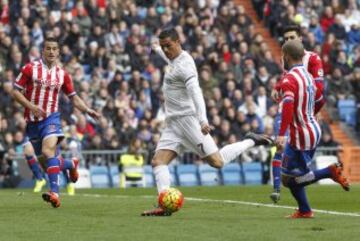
{"x": 230, "y": 152}
{"x": 71, "y": 175}
{"x": 333, "y": 171}
{"x": 161, "y": 171}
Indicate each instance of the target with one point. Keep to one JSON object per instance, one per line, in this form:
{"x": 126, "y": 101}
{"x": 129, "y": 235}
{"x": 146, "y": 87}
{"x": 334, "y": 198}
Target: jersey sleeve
{"x": 24, "y": 77}
{"x": 287, "y": 89}
{"x": 68, "y": 86}
{"x": 315, "y": 67}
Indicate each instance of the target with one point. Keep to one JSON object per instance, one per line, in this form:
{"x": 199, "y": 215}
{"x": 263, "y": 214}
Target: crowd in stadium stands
{"x": 106, "y": 49}
{"x": 330, "y": 28}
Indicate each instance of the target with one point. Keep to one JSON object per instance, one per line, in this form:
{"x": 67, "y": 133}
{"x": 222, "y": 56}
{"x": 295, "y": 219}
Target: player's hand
{"x": 275, "y": 196}
{"x": 155, "y": 44}
{"x": 93, "y": 114}
{"x": 206, "y": 128}
{"x": 318, "y": 117}
{"x": 275, "y": 95}
{"x": 280, "y": 143}
{"x": 37, "y": 111}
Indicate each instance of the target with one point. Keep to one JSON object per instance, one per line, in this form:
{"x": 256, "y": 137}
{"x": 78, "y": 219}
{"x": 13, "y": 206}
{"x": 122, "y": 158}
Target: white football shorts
{"x": 183, "y": 133}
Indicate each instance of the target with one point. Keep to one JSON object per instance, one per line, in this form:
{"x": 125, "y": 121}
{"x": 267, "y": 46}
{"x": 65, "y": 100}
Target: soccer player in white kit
{"x": 187, "y": 126}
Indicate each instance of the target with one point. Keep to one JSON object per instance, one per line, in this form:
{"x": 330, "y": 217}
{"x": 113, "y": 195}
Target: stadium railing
{"x": 349, "y": 156}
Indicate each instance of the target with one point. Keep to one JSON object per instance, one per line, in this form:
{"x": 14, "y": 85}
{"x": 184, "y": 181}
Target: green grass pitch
{"x": 113, "y": 214}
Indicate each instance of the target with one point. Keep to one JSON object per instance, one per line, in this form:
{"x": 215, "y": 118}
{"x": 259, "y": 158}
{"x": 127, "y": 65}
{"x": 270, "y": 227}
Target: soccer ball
{"x": 171, "y": 199}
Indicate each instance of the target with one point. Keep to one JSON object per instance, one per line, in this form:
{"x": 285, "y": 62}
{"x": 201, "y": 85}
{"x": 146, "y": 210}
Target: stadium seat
{"x": 252, "y": 172}
{"x": 187, "y": 175}
{"x": 99, "y": 176}
{"x": 347, "y": 111}
{"x": 208, "y": 175}
{"x": 114, "y": 176}
{"x": 148, "y": 176}
{"x": 322, "y": 162}
{"x": 231, "y": 174}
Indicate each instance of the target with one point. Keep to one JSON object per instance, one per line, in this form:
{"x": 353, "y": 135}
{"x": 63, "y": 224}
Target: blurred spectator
{"x": 106, "y": 51}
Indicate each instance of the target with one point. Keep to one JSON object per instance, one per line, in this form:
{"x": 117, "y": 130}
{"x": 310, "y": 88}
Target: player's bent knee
{"x": 156, "y": 162}
{"x": 214, "y": 160}
{"x": 216, "y": 164}
{"x": 47, "y": 153}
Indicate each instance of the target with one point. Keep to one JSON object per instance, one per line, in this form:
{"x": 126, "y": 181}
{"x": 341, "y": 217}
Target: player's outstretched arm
{"x": 155, "y": 46}
{"x": 20, "y": 98}
{"x": 80, "y": 104}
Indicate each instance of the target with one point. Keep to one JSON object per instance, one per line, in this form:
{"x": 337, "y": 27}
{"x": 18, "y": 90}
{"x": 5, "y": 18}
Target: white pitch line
{"x": 270, "y": 206}
{"x": 227, "y": 201}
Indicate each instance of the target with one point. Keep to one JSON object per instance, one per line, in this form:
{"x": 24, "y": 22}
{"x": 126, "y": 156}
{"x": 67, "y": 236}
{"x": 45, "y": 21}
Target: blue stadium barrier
{"x": 347, "y": 111}
{"x": 187, "y": 175}
{"x": 231, "y": 174}
{"x": 114, "y": 176}
{"x": 208, "y": 175}
{"x": 252, "y": 172}
{"x": 174, "y": 179}
{"x": 99, "y": 176}
{"x": 149, "y": 177}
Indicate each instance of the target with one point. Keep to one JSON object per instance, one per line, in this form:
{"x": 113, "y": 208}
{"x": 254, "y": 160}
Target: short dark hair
{"x": 295, "y": 49}
{"x": 51, "y": 39}
{"x": 169, "y": 33}
{"x": 290, "y": 28}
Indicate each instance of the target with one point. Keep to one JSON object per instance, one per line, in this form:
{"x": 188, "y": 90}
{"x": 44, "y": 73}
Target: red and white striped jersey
{"x": 42, "y": 86}
{"x": 312, "y": 62}
{"x": 298, "y": 86}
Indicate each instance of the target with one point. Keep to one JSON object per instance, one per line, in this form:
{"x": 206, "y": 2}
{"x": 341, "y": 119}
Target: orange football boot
{"x": 52, "y": 198}
{"x": 299, "y": 214}
{"x": 337, "y": 176}
{"x": 73, "y": 173}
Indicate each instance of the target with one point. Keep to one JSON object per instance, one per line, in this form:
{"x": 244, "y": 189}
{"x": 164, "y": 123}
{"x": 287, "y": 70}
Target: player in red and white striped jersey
{"x": 313, "y": 64}
{"x": 37, "y": 88}
{"x": 298, "y": 97}
{"x": 299, "y": 90}
{"x": 42, "y": 86}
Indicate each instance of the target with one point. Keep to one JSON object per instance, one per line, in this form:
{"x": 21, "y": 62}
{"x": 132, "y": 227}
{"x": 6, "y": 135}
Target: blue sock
{"x": 300, "y": 196}
{"x": 276, "y": 170}
{"x": 53, "y": 171}
{"x": 66, "y": 176}
{"x": 65, "y": 164}
{"x": 322, "y": 173}
{"x": 35, "y": 167}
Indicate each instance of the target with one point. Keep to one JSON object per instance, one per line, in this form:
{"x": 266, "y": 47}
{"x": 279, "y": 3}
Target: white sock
{"x": 232, "y": 151}
{"x": 162, "y": 177}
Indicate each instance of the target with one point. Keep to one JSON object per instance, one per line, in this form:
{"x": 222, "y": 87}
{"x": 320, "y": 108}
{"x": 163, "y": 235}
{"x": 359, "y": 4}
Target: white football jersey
{"x": 177, "y": 73}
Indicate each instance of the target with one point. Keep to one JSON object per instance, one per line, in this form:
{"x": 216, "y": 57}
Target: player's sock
{"x": 300, "y": 196}
{"x": 53, "y": 171}
{"x": 65, "y": 164}
{"x": 66, "y": 176}
{"x": 311, "y": 177}
{"x": 162, "y": 177}
{"x": 232, "y": 151}
{"x": 35, "y": 167}
{"x": 276, "y": 170}
{"x": 322, "y": 173}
